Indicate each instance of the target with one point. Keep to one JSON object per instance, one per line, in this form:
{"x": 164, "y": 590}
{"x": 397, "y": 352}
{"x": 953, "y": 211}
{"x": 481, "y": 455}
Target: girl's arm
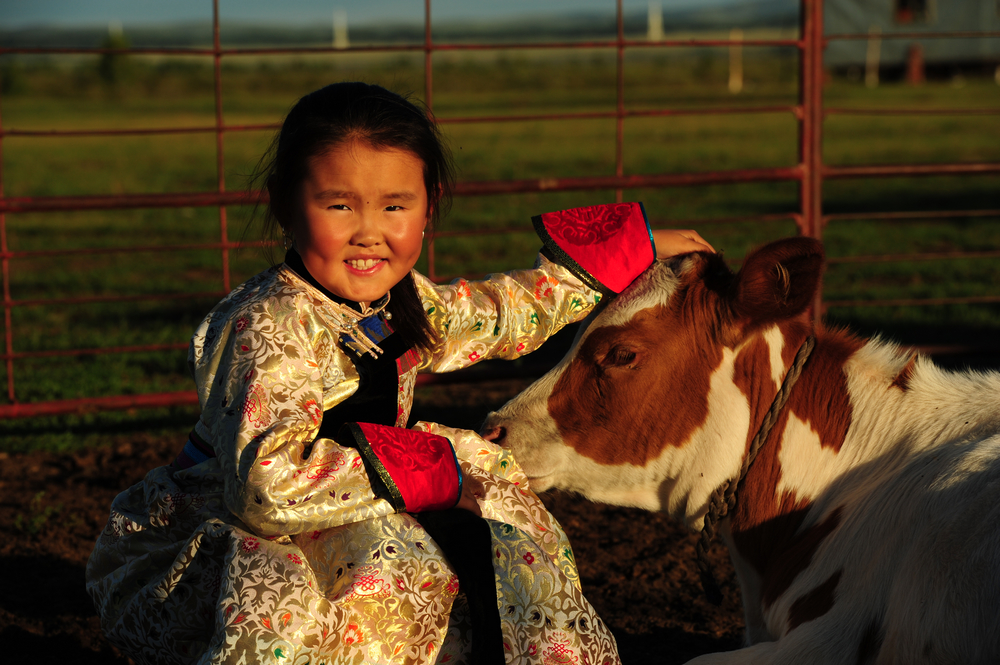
{"x": 261, "y": 370}
{"x": 505, "y": 315}
{"x": 597, "y": 250}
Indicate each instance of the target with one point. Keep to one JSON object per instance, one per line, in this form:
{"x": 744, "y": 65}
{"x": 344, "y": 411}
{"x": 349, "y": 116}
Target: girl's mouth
{"x": 363, "y": 264}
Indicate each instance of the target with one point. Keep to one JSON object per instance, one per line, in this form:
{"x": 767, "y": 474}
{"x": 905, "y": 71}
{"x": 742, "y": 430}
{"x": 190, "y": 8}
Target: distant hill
{"x": 568, "y": 26}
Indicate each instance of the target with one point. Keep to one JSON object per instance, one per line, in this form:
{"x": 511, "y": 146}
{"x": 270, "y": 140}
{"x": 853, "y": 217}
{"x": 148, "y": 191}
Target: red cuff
{"x": 606, "y": 246}
{"x": 419, "y": 469}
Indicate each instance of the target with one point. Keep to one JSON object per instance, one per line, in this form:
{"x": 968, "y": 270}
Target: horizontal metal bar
{"x": 132, "y": 249}
{"x": 917, "y": 214}
{"x": 471, "y": 188}
{"x": 92, "y": 404}
{"x": 925, "y": 256}
{"x": 626, "y": 182}
{"x": 615, "y": 43}
{"x": 889, "y": 170}
{"x": 98, "y": 351}
{"x": 743, "y": 219}
{"x": 423, "y": 47}
{"x": 672, "y": 223}
{"x": 16, "y": 204}
{"x": 138, "y": 131}
{"x": 650, "y": 113}
{"x": 902, "y": 302}
{"x": 910, "y": 111}
{"x": 211, "y": 129}
{"x": 963, "y": 34}
{"x": 96, "y": 299}
{"x": 396, "y": 48}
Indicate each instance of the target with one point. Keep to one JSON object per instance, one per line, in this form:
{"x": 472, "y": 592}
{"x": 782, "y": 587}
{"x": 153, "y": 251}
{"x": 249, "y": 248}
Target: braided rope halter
{"x": 723, "y": 500}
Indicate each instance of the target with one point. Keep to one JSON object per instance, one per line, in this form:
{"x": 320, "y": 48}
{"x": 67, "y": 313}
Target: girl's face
{"x": 361, "y": 221}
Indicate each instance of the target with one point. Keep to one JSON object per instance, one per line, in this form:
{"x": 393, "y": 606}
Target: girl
{"x": 302, "y": 523}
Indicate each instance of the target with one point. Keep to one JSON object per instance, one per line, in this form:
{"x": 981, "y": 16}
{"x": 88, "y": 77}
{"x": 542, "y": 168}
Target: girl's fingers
{"x": 670, "y": 242}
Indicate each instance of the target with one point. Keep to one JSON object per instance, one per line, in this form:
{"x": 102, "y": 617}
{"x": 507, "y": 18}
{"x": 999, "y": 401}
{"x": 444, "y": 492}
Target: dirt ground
{"x": 637, "y": 568}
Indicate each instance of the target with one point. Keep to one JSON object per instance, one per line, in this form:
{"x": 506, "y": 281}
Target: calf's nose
{"x": 497, "y": 435}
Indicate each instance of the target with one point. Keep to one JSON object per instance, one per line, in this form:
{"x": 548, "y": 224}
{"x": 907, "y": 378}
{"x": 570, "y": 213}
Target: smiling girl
{"x": 303, "y": 522}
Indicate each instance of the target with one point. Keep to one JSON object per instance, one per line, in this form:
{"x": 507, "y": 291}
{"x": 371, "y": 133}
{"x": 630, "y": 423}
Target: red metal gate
{"x": 809, "y": 172}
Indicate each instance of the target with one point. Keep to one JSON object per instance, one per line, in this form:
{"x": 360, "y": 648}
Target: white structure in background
{"x": 872, "y": 56}
{"x": 340, "y": 39}
{"x": 735, "y": 61}
{"x": 654, "y": 32}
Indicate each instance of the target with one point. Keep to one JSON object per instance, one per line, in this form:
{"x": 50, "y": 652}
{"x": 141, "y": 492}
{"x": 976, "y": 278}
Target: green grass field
{"x": 173, "y": 93}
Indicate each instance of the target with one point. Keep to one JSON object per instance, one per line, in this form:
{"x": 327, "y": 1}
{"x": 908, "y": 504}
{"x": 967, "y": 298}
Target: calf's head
{"x": 652, "y": 405}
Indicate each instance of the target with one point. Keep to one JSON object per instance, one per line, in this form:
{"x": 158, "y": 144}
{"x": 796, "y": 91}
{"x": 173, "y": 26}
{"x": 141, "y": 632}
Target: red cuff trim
{"x": 419, "y": 467}
{"x": 606, "y": 246}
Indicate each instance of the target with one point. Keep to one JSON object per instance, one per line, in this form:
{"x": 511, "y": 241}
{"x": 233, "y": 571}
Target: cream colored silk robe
{"x": 262, "y": 555}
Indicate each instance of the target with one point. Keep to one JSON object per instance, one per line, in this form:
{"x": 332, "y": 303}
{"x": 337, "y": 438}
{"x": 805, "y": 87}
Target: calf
{"x": 866, "y": 530}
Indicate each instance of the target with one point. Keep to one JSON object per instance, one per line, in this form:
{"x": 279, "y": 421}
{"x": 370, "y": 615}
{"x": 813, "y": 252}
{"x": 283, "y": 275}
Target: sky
{"x": 23, "y": 13}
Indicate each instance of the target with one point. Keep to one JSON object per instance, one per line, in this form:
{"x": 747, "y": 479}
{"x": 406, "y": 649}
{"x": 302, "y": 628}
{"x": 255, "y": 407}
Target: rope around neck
{"x": 723, "y": 500}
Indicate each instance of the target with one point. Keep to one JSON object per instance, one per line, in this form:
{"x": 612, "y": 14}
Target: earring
{"x": 288, "y": 239}
{"x": 422, "y": 234}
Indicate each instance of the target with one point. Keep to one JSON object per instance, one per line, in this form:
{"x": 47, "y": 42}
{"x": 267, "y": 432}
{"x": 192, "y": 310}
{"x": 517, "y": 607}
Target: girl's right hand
{"x": 472, "y": 492}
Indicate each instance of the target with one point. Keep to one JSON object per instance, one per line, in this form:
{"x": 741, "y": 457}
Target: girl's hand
{"x": 670, "y": 242}
{"x": 472, "y": 491}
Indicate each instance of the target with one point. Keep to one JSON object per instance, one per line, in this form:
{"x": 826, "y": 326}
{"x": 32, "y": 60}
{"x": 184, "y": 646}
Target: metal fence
{"x": 809, "y": 172}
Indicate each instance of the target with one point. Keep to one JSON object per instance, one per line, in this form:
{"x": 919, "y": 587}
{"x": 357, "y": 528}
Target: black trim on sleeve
{"x": 557, "y": 254}
{"x": 352, "y": 436}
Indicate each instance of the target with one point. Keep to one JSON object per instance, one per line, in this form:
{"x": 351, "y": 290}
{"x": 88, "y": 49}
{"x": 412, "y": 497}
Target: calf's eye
{"x": 619, "y": 356}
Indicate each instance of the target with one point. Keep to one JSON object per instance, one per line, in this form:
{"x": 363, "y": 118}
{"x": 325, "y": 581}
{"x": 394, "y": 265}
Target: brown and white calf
{"x": 868, "y": 528}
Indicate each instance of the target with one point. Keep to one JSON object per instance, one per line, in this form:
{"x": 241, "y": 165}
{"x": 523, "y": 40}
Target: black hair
{"x": 345, "y": 112}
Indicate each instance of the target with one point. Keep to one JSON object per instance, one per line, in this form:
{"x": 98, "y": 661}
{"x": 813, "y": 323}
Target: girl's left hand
{"x": 472, "y": 492}
{"x": 670, "y": 242}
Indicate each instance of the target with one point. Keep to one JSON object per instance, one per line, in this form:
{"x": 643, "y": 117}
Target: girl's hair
{"x": 345, "y": 112}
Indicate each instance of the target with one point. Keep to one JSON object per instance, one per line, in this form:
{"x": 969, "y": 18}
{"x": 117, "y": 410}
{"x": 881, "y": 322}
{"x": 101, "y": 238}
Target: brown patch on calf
{"x": 764, "y": 525}
{"x": 752, "y": 375}
{"x": 815, "y": 603}
{"x": 902, "y": 380}
{"x": 620, "y": 411}
{"x": 794, "y": 331}
{"x": 776, "y": 549}
{"x": 820, "y": 397}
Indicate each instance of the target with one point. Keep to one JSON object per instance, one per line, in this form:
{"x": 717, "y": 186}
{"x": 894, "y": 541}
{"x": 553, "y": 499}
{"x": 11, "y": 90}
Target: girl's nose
{"x": 367, "y": 233}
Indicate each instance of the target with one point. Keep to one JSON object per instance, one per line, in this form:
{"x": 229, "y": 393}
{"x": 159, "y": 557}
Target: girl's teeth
{"x": 363, "y": 264}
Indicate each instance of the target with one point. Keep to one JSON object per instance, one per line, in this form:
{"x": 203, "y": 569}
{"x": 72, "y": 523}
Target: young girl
{"x": 302, "y": 523}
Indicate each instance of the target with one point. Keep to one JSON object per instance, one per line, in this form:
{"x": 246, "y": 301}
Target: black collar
{"x": 294, "y": 261}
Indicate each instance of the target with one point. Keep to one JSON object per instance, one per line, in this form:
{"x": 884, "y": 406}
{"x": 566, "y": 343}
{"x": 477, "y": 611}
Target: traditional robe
{"x": 270, "y": 541}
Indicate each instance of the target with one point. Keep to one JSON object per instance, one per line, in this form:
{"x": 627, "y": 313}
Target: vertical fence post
{"x": 219, "y": 146}
{"x": 429, "y": 101}
{"x": 7, "y": 318}
{"x": 811, "y": 127}
{"x": 620, "y": 96}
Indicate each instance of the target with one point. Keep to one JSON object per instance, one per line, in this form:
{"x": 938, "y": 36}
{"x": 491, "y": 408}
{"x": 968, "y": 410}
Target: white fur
{"x": 917, "y": 481}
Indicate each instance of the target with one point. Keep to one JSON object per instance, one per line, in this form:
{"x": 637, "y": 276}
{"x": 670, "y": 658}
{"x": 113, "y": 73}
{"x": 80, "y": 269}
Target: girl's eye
{"x": 393, "y": 208}
{"x": 338, "y": 206}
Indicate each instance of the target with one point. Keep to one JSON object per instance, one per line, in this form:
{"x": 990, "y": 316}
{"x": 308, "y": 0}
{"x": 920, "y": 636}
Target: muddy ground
{"x": 637, "y": 568}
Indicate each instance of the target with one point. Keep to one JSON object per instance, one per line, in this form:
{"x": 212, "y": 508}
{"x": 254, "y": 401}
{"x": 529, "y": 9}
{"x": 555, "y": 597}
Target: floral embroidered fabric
{"x": 266, "y": 554}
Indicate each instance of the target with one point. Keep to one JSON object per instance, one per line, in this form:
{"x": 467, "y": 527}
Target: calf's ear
{"x": 777, "y": 281}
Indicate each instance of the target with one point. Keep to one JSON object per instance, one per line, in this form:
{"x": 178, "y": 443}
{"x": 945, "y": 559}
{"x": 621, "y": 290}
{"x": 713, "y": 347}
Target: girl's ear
{"x": 283, "y": 207}
{"x": 274, "y": 197}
